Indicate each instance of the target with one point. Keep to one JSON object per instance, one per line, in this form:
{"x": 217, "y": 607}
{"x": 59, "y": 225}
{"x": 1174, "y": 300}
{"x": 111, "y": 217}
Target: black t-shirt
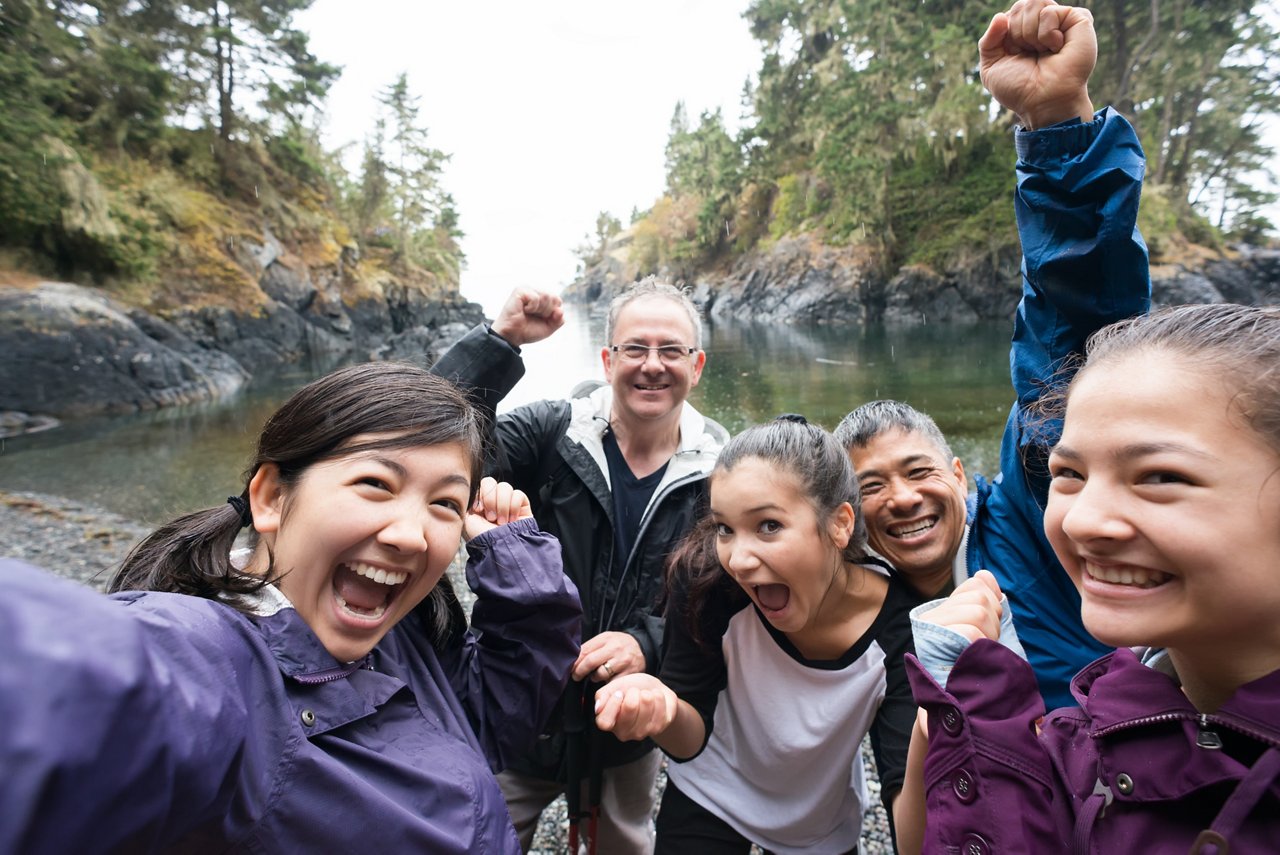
{"x": 630, "y": 497}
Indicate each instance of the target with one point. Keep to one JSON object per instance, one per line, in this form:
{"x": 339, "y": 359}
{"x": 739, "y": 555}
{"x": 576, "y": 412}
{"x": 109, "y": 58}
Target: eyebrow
{"x": 1136, "y": 450}
{"x": 770, "y": 506}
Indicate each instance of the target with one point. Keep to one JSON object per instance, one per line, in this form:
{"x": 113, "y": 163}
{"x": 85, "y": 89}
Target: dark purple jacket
{"x": 1136, "y": 768}
{"x": 160, "y": 722}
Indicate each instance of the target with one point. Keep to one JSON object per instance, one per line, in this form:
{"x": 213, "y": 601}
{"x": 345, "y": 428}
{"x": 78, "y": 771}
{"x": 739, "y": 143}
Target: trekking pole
{"x": 575, "y": 742}
{"x": 595, "y": 767}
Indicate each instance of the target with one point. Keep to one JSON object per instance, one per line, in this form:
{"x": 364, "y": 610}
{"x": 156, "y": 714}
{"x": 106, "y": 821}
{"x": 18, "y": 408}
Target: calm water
{"x": 152, "y": 466}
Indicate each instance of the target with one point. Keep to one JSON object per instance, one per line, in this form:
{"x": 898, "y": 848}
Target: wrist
{"x": 1043, "y": 116}
{"x": 507, "y": 334}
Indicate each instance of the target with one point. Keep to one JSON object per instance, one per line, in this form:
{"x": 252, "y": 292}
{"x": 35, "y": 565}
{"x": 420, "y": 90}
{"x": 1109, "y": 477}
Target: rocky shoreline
{"x": 87, "y": 543}
{"x": 800, "y": 279}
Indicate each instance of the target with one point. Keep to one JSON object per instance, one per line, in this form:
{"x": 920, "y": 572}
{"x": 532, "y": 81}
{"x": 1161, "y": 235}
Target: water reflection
{"x": 152, "y": 466}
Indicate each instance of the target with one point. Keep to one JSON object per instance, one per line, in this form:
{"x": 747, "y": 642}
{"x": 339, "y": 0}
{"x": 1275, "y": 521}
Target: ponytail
{"x": 192, "y": 555}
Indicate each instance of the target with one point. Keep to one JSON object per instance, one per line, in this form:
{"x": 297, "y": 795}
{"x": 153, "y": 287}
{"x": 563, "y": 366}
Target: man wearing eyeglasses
{"x": 618, "y": 476}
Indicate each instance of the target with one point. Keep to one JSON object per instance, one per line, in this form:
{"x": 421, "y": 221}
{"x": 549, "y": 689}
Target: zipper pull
{"x": 1207, "y": 738}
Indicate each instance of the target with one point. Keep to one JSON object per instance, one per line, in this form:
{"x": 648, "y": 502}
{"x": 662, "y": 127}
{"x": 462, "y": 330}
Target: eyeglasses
{"x": 670, "y": 354}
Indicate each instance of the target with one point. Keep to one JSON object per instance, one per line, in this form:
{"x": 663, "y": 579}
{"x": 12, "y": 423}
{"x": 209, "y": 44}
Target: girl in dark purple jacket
{"x": 318, "y": 692}
{"x": 1165, "y": 511}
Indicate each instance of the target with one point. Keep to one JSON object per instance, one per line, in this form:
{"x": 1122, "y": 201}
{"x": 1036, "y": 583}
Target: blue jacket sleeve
{"x": 1084, "y": 266}
{"x": 120, "y": 731}
{"x": 990, "y": 786}
{"x": 526, "y": 630}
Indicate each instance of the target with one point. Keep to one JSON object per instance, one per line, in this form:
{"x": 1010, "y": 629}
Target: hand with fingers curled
{"x": 973, "y": 609}
{"x": 635, "y": 707}
{"x": 496, "y": 503}
{"x": 607, "y": 656}
{"x": 528, "y": 316}
{"x": 1036, "y": 58}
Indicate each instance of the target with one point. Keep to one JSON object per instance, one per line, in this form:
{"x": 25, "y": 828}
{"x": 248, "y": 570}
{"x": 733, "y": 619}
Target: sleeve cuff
{"x": 938, "y": 647}
{"x": 1065, "y": 139}
{"x": 497, "y": 335}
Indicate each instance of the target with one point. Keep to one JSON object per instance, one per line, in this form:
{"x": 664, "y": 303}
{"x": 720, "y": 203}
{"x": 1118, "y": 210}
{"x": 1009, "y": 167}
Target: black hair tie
{"x": 792, "y": 417}
{"x": 242, "y": 508}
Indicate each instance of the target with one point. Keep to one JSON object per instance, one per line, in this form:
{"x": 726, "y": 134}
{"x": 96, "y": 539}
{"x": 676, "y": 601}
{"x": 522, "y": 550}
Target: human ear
{"x": 957, "y": 469}
{"x": 605, "y": 355}
{"x": 699, "y": 360}
{"x": 266, "y": 498}
{"x": 842, "y": 524}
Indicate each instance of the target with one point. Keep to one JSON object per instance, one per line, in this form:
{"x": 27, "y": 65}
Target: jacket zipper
{"x": 330, "y": 675}
{"x": 1203, "y": 719}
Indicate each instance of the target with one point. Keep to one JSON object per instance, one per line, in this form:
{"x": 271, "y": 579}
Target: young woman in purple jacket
{"x": 319, "y": 691}
{"x": 1165, "y": 511}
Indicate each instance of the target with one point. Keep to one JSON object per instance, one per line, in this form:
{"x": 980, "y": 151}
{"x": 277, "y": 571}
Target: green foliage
{"x": 867, "y": 124}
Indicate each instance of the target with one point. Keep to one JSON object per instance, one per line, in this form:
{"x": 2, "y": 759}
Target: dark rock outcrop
{"x": 71, "y": 351}
{"x": 799, "y": 279}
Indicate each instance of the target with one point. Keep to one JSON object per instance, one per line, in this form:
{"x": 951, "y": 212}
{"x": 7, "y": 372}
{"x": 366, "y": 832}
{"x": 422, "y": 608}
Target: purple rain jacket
{"x": 1134, "y": 768}
{"x": 150, "y": 722}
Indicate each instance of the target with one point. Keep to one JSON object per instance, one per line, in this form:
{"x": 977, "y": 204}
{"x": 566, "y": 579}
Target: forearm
{"x": 526, "y": 633}
{"x": 686, "y": 734}
{"x": 1084, "y": 262}
{"x": 482, "y": 364}
{"x": 909, "y": 804}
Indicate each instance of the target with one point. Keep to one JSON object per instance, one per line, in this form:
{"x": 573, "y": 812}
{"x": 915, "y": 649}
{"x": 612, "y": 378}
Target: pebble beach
{"x": 86, "y": 543}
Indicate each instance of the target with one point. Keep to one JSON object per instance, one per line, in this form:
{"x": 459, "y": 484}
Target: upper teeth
{"x": 1137, "y": 576}
{"x": 913, "y": 528}
{"x": 377, "y": 574}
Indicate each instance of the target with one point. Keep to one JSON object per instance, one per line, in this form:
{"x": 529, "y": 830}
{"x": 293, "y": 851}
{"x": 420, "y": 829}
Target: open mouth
{"x": 773, "y": 597}
{"x": 364, "y": 592}
{"x": 913, "y": 529}
{"x": 651, "y": 387}
{"x": 1134, "y": 577}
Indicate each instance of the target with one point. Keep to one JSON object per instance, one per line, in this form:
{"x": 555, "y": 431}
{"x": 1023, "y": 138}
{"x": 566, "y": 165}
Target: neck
{"x": 648, "y": 445}
{"x": 848, "y": 609}
{"x": 1212, "y": 677}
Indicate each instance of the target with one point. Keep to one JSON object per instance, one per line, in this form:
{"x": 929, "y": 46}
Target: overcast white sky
{"x": 553, "y": 111}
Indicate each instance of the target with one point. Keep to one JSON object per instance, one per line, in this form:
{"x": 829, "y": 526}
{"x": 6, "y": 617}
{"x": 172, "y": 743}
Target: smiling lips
{"x": 1136, "y": 577}
{"x": 909, "y": 530}
{"x": 364, "y": 591}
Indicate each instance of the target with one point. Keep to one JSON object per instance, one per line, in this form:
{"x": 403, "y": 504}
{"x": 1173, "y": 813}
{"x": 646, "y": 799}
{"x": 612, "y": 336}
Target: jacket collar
{"x": 1119, "y": 692}
{"x": 701, "y": 438}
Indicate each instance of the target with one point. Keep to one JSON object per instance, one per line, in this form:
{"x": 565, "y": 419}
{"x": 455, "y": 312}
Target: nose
{"x": 652, "y": 361}
{"x": 404, "y": 532}
{"x": 1096, "y": 512}
{"x": 738, "y": 558}
{"x": 902, "y": 494}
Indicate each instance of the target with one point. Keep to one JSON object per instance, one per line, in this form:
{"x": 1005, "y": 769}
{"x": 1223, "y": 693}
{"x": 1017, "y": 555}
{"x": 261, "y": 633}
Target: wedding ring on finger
{"x": 608, "y": 670}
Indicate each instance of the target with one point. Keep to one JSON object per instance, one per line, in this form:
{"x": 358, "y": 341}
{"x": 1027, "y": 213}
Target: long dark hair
{"x": 401, "y": 405}
{"x": 826, "y": 477}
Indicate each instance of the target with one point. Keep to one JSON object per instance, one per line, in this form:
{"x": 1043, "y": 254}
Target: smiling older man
{"x": 617, "y": 476}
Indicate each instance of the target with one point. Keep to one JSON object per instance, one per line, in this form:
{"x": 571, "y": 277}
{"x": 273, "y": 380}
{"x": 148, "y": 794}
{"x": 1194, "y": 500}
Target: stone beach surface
{"x": 87, "y": 543}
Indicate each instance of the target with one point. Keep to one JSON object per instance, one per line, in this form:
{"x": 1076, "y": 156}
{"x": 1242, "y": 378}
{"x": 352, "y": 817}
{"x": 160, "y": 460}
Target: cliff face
{"x": 799, "y": 279}
{"x": 72, "y": 350}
